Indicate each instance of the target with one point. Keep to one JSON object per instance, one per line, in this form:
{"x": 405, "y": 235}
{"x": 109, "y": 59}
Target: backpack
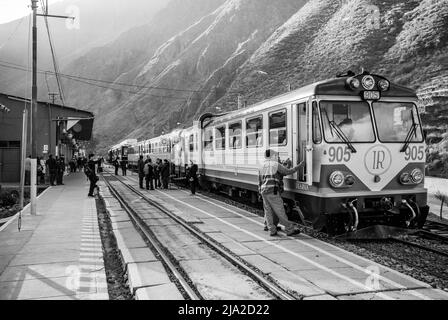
{"x": 88, "y": 171}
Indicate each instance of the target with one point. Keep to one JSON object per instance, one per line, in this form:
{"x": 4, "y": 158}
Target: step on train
{"x": 360, "y": 137}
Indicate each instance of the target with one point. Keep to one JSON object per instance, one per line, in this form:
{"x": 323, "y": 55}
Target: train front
{"x": 371, "y": 155}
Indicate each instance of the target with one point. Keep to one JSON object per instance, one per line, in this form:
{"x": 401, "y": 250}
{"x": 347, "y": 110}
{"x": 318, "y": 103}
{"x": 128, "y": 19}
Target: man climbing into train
{"x": 269, "y": 188}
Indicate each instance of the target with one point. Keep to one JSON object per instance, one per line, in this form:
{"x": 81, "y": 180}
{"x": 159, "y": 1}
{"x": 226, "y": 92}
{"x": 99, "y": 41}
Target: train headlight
{"x": 353, "y": 83}
{"x": 383, "y": 85}
{"x": 349, "y": 180}
{"x": 337, "y": 179}
{"x": 417, "y": 176}
{"x": 405, "y": 178}
{"x": 368, "y": 82}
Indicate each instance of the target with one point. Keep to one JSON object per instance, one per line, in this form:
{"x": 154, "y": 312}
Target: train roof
{"x": 335, "y": 86}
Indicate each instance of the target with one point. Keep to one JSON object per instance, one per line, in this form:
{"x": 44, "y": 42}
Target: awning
{"x": 81, "y": 129}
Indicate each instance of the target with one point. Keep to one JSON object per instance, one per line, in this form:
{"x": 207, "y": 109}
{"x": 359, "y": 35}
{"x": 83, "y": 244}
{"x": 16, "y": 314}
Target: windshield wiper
{"x": 342, "y": 136}
{"x": 409, "y": 136}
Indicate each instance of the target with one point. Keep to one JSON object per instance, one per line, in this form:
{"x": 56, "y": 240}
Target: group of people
{"x": 270, "y": 186}
{"x": 52, "y": 169}
{"x": 156, "y": 175}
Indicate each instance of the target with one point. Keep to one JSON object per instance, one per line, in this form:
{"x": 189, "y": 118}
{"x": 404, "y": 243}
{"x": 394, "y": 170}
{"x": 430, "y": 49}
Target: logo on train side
{"x": 378, "y": 160}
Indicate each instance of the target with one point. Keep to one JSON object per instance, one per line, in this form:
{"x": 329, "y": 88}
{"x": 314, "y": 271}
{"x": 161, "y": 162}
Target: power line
{"x": 53, "y": 54}
{"x": 13, "y": 33}
{"x": 20, "y": 68}
{"x": 122, "y": 83}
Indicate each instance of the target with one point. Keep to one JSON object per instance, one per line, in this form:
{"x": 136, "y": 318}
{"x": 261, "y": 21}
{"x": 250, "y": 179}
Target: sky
{"x": 15, "y": 9}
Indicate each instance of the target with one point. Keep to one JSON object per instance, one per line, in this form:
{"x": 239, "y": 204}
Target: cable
{"x": 53, "y": 54}
{"x": 118, "y": 83}
{"x": 97, "y": 85}
{"x": 13, "y": 33}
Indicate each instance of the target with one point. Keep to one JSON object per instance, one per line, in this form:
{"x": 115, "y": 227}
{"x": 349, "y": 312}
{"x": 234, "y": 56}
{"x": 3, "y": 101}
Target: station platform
{"x": 57, "y": 255}
{"x": 314, "y": 269}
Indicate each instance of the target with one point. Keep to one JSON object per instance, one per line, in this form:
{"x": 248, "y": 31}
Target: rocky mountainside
{"x": 197, "y": 56}
{"x": 191, "y": 54}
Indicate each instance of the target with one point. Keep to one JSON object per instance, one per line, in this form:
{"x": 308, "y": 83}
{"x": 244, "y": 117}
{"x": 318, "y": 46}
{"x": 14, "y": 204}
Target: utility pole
{"x": 33, "y": 113}
{"x": 33, "y": 122}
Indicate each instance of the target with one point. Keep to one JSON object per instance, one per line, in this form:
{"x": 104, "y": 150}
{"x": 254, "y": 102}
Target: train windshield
{"x": 397, "y": 122}
{"x": 345, "y": 122}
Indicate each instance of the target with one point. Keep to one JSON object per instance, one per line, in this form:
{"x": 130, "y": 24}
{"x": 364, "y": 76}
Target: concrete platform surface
{"x": 58, "y": 254}
{"x": 308, "y": 266}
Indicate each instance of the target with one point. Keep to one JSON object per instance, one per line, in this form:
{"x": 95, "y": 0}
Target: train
{"x": 121, "y": 150}
{"x": 360, "y": 137}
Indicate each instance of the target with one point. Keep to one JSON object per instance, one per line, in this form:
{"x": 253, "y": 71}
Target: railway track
{"x": 434, "y": 230}
{"x": 181, "y": 275}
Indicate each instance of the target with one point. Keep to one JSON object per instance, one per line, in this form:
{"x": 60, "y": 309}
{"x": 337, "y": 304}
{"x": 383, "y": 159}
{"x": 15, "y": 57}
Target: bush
{"x": 8, "y": 199}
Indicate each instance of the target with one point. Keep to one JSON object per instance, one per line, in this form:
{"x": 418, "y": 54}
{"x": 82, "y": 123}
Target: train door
{"x": 304, "y": 142}
{"x": 301, "y": 140}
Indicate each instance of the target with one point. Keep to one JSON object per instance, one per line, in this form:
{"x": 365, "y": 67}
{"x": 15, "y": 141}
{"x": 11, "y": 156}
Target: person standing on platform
{"x": 193, "y": 177}
{"x": 52, "y": 168}
{"x": 116, "y": 164}
{"x": 141, "y": 171}
{"x": 149, "y": 174}
{"x": 44, "y": 171}
{"x": 60, "y": 170}
{"x": 165, "y": 173}
{"x": 156, "y": 174}
{"x": 124, "y": 166}
{"x": 90, "y": 172}
{"x": 269, "y": 188}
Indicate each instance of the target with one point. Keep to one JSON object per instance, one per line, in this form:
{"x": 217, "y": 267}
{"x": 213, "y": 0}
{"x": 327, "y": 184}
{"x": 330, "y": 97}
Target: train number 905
{"x": 339, "y": 154}
{"x": 415, "y": 153}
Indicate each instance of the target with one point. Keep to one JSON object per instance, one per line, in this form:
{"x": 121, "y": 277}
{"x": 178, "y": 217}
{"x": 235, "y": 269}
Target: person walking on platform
{"x": 52, "y": 168}
{"x": 269, "y": 188}
{"x": 116, "y": 164}
{"x": 165, "y": 173}
{"x": 141, "y": 171}
{"x": 124, "y": 166}
{"x": 149, "y": 174}
{"x": 193, "y": 177}
{"x": 90, "y": 172}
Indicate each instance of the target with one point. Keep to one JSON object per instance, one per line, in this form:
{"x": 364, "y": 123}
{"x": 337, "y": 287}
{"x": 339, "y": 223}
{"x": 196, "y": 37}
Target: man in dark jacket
{"x": 165, "y": 173}
{"x": 91, "y": 174}
{"x": 149, "y": 173}
{"x": 52, "y": 168}
{"x": 60, "y": 170}
{"x": 141, "y": 171}
{"x": 124, "y": 166}
{"x": 116, "y": 165}
{"x": 193, "y": 177}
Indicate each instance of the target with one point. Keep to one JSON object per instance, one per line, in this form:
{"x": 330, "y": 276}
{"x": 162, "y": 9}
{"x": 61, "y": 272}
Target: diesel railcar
{"x": 360, "y": 137}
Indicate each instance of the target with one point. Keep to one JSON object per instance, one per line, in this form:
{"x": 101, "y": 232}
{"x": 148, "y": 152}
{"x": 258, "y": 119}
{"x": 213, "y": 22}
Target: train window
{"x": 277, "y": 128}
{"x": 220, "y": 138}
{"x": 235, "y": 135}
{"x": 208, "y": 140}
{"x": 350, "y": 121}
{"x": 396, "y": 120}
{"x": 254, "y": 132}
{"x": 191, "y": 142}
{"x": 196, "y": 141}
{"x": 317, "y": 134}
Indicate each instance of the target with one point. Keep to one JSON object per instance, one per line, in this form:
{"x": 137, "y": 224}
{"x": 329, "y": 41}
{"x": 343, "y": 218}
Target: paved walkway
{"x": 58, "y": 253}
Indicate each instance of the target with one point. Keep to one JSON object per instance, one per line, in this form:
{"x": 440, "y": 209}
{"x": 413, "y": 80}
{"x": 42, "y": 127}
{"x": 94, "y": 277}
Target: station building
{"x": 60, "y": 132}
